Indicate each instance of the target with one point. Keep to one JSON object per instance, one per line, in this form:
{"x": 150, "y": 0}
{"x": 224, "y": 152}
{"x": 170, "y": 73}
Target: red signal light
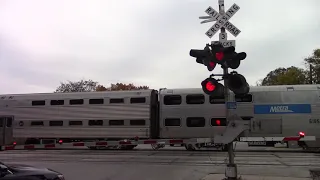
{"x": 60, "y": 141}
{"x": 14, "y": 143}
{"x": 212, "y": 64}
{"x": 219, "y": 56}
{"x": 210, "y": 86}
{"x": 218, "y": 122}
{"x": 301, "y": 134}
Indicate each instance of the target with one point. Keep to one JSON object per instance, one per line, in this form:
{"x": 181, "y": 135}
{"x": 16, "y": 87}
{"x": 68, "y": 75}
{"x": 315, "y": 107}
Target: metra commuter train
{"x": 275, "y": 111}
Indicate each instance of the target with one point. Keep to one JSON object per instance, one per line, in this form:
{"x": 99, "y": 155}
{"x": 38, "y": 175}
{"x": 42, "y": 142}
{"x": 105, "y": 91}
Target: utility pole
{"x": 310, "y": 74}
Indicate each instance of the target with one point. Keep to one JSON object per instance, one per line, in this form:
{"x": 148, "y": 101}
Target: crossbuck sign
{"x": 222, "y": 21}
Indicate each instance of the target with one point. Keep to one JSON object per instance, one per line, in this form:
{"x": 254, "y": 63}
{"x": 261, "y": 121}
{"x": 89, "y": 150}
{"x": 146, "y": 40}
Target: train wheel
{"x": 190, "y": 147}
{"x": 225, "y": 147}
{"x": 157, "y": 146}
{"x": 154, "y": 146}
{"x": 127, "y": 147}
{"x": 92, "y": 147}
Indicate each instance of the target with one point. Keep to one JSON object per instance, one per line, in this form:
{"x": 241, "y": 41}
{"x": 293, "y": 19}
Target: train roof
{"x": 129, "y": 93}
{"x": 99, "y": 94}
{"x": 278, "y": 88}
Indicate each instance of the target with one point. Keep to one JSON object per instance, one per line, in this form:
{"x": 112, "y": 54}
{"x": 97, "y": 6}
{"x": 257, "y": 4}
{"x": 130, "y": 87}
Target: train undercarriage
{"x": 130, "y": 144}
{"x": 219, "y": 142}
{"x": 125, "y": 144}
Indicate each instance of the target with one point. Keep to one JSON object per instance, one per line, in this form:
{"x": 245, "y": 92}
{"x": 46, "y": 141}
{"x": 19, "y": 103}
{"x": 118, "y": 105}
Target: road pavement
{"x": 170, "y": 164}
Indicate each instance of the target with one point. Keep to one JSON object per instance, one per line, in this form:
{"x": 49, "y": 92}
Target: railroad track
{"x": 185, "y": 158}
{"x": 170, "y": 150}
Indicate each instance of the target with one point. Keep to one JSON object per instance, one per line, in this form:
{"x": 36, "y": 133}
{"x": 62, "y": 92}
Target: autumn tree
{"x": 89, "y": 85}
{"x": 77, "y": 86}
{"x": 121, "y": 87}
{"x": 285, "y": 76}
{"x": 101, "y": 88}
{"x": 313, "y": 67}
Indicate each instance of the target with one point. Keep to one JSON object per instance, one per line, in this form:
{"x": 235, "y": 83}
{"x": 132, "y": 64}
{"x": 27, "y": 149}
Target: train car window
{"x": 76, "y": 101}
{"x": 38, "y": 103}
{"x": 116, "y": 122}
{"x": 36, "y": 123}
{"x": 138, "y": 100}
{"x": 218, "y": 122}
{"x": 139, "y": 122}
{"x": 95, "y": 123}
{"x": 56, "y": 123}
{"x": 9, "y": 122}
{"x": 195, "y": 99}
{"x": 172, "y": 99}
{"x": 217, "y": 99}
{"x": 196, "y": 122}
{"x": 96, "y": 101}
{"x": 172, "y": 122}
{"x": 75, "y": 123}
{"x": 1, "y": 122}
{"x": 245, "y": 98}
{"x": 116, "y": 100}
{"x": 57, "y": 102}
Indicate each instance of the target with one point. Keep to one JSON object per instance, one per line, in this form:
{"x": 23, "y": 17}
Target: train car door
{"x": 266, "y": 126}
{"x": 6, "y": 130}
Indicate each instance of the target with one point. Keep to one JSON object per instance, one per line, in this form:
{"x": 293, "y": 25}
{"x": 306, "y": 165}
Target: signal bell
{"x": 211, "y": 86}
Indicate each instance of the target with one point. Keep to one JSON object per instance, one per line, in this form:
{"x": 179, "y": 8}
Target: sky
{"x": 145, "y": 42}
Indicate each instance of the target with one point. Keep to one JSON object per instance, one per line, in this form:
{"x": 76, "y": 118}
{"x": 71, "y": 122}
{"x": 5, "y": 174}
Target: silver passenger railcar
{"x": 275, "y": 111}
{"x": 187, "y": 113}
{"x": 272, "y": 110}
{"x": 79, "y": 116}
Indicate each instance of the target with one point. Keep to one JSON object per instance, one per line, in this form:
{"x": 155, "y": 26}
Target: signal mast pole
{"x": 222, "y": 52}
{"x": 231, "y": 169}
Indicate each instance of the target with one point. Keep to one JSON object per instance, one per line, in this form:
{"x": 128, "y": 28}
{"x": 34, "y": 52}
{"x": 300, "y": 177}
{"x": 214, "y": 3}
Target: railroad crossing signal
{"x": 227, "y": 57}
{"x": 222, "y": 21}
{"x": 223, "y": 52}
{"x": 204, "y": 57}
{"x": 212, "y": 87}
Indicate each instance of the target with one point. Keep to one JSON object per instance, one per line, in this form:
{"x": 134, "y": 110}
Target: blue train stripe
{"x": 282, "y": 109}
